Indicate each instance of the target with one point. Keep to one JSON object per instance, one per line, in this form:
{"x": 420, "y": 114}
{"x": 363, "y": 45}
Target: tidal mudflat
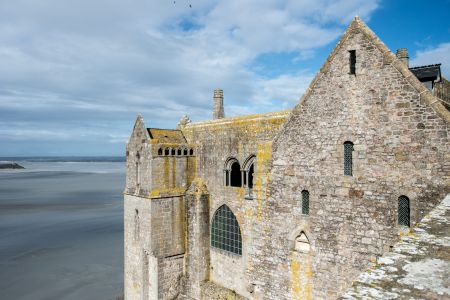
{"x": 61, "y": 230}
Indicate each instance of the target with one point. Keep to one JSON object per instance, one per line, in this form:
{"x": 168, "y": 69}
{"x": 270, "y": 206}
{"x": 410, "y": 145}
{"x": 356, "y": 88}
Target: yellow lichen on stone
{"x": 155, "y": 193}
{"x": 301, "y": 270}
{"x": 263, "y": 161}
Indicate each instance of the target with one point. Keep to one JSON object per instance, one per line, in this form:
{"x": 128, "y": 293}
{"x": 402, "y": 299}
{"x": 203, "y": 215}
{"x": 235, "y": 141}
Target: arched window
{"x": 167, "y": 151}
{"x": 235, "y": 175}
{"x": 191, "y": 152}
{"x": 348, "y": 158}
{"x": 185, "y": 152}
{"x": 403, "y": 211}
{"x": 179, "y": 152}
{"x": 160, "y": 151}
{"x": 305, "y": 202}
{"x": 225, "y": 231}
{"x": 249, "y": 170}
{"x": 173, "y": 151}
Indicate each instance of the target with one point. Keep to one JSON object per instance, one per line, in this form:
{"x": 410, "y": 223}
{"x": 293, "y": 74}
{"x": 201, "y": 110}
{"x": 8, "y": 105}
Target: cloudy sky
{"x": 74, "y": 74}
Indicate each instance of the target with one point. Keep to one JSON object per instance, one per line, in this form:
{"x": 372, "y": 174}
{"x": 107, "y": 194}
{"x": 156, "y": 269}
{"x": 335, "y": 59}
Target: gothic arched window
{"x": 348, "y": 158}
{"x": 225, "y": 231}
{"x": 403, "y": 211}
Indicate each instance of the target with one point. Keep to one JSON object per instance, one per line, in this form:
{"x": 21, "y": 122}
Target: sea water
{"x": 61, "y": 229}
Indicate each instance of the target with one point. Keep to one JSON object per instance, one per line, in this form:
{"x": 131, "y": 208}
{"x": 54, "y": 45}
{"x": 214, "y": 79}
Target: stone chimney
{"x": 402, "y": 54}
{"x": 218, "y": 112}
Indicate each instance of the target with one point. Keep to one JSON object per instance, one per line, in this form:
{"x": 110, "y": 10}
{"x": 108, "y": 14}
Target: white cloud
{"x": 439, "y": 54}
{"x": 70, "y": 63}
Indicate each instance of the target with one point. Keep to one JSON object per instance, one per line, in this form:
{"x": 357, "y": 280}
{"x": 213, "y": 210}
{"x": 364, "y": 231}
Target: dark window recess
{"x": 352, "y": 61}
{"x": 173, "y": 151}
{"x": 159, "y": 151}
{"x": 403, "y": 211}
{"x": 166, "y": 151}
{"x": 179, "y": 152}
{"x": 348, "y": 158}
{"x": 191, "y": 152}
{"x": 185, "y": 152}
{"x": 227, "y": 182}
{"x": 305, "y": 202}
{"x": 235, "y": 176}
{"x": 225, "y": 231}
{"x": 250, "y": 176}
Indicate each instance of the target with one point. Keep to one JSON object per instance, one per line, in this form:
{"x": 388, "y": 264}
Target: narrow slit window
{"x": 352, "y": 61}
{"x": 348, "y": 158}
{"x": 403, "y": 211}
{"x": 305, "y": 202}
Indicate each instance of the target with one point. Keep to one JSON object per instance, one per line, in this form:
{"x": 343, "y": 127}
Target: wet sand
{"x": 61, "y": 231}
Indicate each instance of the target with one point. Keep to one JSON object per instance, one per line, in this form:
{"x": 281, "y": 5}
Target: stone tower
{"x": 218, "y": 112}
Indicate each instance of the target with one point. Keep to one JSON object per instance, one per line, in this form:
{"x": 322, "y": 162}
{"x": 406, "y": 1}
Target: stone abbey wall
{"x": 400, "y": 148}
{"x": 214, "y": 143}
{"x": 176, "y": 182}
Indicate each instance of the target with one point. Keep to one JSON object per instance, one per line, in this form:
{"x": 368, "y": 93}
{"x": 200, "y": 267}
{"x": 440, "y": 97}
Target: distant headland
{"x": 10, "y": 165}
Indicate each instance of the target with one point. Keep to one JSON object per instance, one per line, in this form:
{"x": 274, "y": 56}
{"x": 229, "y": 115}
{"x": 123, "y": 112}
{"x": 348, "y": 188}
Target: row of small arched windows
{"x": 175, "y": 152}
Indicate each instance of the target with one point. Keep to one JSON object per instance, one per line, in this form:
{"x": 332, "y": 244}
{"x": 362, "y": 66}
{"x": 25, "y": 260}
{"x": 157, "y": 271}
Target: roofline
{"x": 251, "y": 117}
{"x": 163, "y": 129}
{"x": 426, "y": 97}
{"x": 423, "y": 67}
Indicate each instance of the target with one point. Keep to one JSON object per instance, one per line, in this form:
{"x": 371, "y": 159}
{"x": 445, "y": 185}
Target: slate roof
{"x": 427, "y": 73}
{"x": 166, "y": 135}
{"x": 417, "y": 267}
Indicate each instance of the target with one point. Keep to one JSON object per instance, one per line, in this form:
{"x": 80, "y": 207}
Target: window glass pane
{"x": 305, "y": 202}
{"x": 403, "y": 211}
{"x": 348, "y": 158}
{"x": 225, "y": 231}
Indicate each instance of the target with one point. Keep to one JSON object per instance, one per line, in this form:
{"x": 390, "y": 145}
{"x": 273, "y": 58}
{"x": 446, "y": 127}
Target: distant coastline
{"x": 63, "y": 159}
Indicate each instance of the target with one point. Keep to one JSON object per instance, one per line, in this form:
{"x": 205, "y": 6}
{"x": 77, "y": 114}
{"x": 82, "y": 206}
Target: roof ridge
{"x": 425, "y": 66}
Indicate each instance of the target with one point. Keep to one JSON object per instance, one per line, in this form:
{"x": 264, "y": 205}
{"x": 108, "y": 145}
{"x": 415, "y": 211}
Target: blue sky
{"x": 74, "y": 74}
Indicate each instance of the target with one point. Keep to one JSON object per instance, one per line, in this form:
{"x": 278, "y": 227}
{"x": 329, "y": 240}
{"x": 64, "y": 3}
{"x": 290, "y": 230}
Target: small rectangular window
{"x": 305, "y": 202}
{"x": 352, "y": 61}
{"x": 348, "y": 158}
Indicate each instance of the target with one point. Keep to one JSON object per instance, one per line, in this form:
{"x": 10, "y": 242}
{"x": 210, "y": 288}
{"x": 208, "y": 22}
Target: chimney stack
{"x": 402, "y": 54}
{"x": 218, "y": 112}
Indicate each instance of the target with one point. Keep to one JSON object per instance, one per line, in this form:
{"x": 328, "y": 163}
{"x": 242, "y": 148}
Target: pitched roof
{"x": 425, "y": 73}
{"x": 426, "y": 96}
{"x": 166, "y": 135}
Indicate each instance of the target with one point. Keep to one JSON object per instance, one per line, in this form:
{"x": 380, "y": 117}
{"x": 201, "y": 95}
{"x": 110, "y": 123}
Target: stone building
{"x": 292, "y": 204}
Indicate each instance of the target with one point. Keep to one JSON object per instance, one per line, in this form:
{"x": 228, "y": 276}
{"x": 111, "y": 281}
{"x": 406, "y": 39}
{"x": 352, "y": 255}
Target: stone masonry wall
{"x": 215, "y": 142}
{"x": 400, "y": 148}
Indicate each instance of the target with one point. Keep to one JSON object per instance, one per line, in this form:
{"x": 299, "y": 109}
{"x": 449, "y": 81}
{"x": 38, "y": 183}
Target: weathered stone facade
{"x": 177, "y": 181}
